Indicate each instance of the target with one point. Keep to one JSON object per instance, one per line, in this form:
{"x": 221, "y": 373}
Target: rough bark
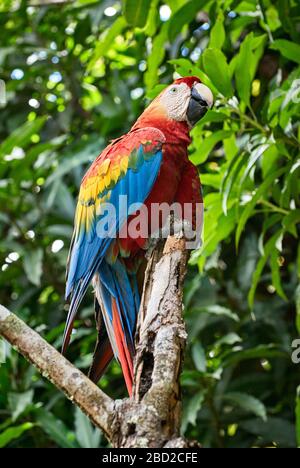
{"x": 151, "y": 418}
{"x": 82, "y": 391}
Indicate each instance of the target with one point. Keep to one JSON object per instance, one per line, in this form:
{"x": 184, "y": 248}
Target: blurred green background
{"x": 78, "y": 74}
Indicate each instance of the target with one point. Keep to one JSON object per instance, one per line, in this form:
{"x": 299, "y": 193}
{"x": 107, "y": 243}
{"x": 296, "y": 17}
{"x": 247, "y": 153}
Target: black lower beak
{"x": 197, "y": 107}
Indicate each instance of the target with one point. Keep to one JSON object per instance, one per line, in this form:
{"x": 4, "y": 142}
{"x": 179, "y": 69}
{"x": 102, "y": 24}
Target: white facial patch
{"x": 176, "y": 99}
{"x": 205, "y": 93}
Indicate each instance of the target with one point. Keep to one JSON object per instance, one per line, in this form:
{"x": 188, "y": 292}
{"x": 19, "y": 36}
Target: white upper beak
{"x": 205, "y": 93}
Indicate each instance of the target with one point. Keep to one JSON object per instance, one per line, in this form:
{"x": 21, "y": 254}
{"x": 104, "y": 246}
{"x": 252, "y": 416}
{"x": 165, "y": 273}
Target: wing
{"x": 127, "y": 168}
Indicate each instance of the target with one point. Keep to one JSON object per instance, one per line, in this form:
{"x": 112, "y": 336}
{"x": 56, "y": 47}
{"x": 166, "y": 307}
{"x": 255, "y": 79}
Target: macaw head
{"x": 186, "y": 99}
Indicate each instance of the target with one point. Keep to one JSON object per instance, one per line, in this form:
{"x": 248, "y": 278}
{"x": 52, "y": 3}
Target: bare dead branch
{"x": 56, "y": 368}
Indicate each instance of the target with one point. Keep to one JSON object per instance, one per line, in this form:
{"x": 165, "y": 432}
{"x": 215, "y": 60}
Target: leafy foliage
{"x": 76, "y": 76}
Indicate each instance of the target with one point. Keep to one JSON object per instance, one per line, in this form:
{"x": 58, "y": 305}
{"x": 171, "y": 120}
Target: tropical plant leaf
{"x": 55, "y": 429}
{"x": 199, "y": 357}
{"x": 248, "y": 211}
{"x": 136, "y": 12}
{"x": 248, "y": 403}
{"x": 288, "y": 49}
{"x": 217, "y": 36}
{"x": 18, "y": 402}
{"x": 87, "y": 436}
{"x": 155, "y": 59}
{"x": 33, "y": 266}
{"x": 216, "y": 67}
{"x": 21, "y": 136}
{"x": 184, "y": 15}
{"x": 13, "y": 433}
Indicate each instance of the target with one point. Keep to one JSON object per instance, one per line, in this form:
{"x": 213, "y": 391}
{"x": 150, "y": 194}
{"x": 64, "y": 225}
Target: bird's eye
{"x": 173, "y": 90}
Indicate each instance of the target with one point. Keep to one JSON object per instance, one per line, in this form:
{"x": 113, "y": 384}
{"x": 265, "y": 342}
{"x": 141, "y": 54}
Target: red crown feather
{"x": 189, "y": 80}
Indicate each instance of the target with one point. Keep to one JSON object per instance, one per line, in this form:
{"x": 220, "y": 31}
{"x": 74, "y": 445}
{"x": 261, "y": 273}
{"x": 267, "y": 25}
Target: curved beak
{"x": 201, "y": 100}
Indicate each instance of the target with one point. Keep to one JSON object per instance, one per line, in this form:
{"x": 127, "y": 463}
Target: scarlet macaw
{"x": 149, "y": 165}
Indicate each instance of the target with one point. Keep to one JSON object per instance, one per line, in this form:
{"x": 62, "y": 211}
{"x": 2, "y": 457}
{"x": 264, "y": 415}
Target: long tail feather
{"x": 118, "y": 297}
{"x": 102, "y": 356}
{"x": 117, "y": 294}
{"x": 125, "y": 358}
{"x": 103, "y": 353}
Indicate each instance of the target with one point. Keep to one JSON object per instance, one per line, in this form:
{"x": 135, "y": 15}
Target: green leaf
{"x": 199, "y": 357}
{"x": 276, "y": 280}
{"x": 232, "y": 177}
{"x": 229, "y": 339}
{"x": 192, "y": 409}
{"x": 248, "y": 403}
{"x": 231, "y": 148}
{"x": 268, "y": 248}
{"x": 13, "y": 433}
{"x": 242, "y": 70}
{"x": 153, "y": 19}
{"x": 21, "y": 136}
{"x": 273, "y": 18}
{"x": 33, "y": 265}
{"x": 217, "y": 35}
{"x": 64, "y": 202}
{"x": 258, "y": 352}
{"x": 269, "y": 160}
{"x": 18, "y": 402}
{"x": 156, "y": 57}
{"x": 288, "y": 49}
{"x": 219, "y": 310}
{"x": 248, "y": 211}
{"x": 55, "y": 429}
{"x": 104, "y": 45}
{"x": 183, "y": 16}
{"x": 77, "y": 157}
{"x": 185, "y": 67}
{"x": 277, "y": 430}
{"x": 217, "y": 69}
{"x": 288, "y": 190}
{"x": 254, "y": 157}
{"x": 152, "y": 93}
{"x": 60, "y": 230}
{"x": 136, "y": 12}
{"x": 246, "y": 64}
{"x": 211, "y": 180}
{"x": 210, "y": 117}
{"x": 86, "y": 435}
{"x": 286, "y": 18}
{"x": 216, "y": 229}
{"x": 201, "y": 155}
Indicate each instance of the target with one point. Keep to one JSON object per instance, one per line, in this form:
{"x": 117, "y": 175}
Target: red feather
{"x": 124, "y": 355}
{"x": 189, "y": 80}
{"x": 176, "y": 181}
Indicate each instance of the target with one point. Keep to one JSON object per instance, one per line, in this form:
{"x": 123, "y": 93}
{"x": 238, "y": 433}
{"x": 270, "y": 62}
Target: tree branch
{"x": 56, "y": 368}
{"x": 151, "y": 418}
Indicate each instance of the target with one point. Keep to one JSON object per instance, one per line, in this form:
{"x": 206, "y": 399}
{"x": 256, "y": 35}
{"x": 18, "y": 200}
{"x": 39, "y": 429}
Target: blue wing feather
{"x": 136, "y": 186}
{"x": 90, "y": 247}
